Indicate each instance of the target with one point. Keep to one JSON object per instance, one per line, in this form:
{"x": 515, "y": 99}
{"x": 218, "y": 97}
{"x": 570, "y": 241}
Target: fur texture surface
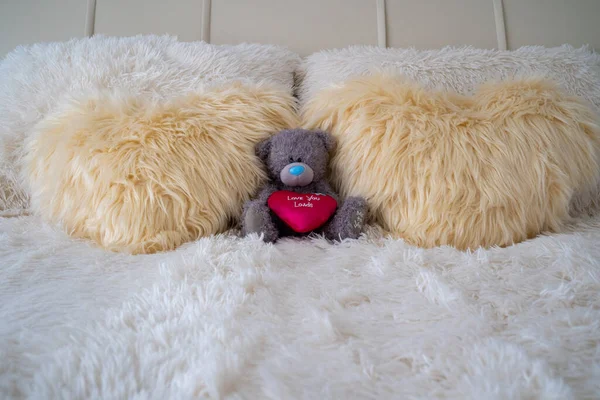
{"x": 35, "y": 80}
{"x": 142, "y": 176}
{"x": 438, "y": 168}
{"x": 455, "y": 69}
{"x": 231, "y": 317}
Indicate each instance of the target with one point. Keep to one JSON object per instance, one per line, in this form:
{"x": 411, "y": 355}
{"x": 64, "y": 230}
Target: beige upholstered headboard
{"x": 310, "y": 25}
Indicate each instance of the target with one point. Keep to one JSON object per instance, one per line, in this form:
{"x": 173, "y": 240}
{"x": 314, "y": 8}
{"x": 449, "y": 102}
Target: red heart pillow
{"x": 302, "y": 212}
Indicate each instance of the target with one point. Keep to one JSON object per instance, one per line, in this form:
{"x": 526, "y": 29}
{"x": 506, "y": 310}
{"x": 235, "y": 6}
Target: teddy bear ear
{"x": 327, "y": 139}
{"x": 263, "y": 149}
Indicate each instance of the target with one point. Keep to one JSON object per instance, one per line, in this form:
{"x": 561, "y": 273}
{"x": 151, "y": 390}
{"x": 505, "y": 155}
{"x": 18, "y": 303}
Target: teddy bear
{"x": 298, "y": 200}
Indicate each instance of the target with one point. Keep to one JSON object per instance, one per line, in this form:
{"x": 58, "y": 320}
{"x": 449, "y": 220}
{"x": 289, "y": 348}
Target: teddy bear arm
{"x": 256, "y": 217}
{"x": 348, "y": 221}
{"x": 324, "y": 188}
{"x": 265, "y": 193}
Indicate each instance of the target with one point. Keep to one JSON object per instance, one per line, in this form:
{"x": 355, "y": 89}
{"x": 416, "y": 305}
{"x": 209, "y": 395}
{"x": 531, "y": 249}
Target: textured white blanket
{"x": 234, "y": 318}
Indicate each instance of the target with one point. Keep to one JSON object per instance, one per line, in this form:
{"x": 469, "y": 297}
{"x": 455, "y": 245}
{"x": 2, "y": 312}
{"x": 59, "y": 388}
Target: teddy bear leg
{"x": 348, "y": 221}
{"x": 257, "y": 219}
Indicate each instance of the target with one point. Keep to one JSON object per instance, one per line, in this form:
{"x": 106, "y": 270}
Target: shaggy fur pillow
{"x": 459, "y": 70}
{"x": 143, "y": 176}
{"x": 444, "y": 169}
{"x": 35, "y": 80}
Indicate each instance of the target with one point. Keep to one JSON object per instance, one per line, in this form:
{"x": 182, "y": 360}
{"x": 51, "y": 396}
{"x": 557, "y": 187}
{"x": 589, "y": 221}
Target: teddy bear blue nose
{"x": 297, "y": 170}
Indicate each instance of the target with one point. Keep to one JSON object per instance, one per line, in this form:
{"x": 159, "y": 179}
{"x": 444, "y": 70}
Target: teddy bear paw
{"x": 258, "y": 220}
{"x": 349, "y": 221}
{"x": 356, "y": 215}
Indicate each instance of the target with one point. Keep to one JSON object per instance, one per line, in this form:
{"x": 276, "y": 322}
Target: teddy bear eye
{"x": 291, "y": 159}
{"x": 299, "y": 159}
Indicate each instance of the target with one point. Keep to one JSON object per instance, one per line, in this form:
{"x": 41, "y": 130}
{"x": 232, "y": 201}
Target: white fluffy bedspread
{"x": 234, "y": 318}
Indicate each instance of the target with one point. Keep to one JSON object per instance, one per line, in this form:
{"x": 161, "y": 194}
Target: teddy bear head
{"x": 296, "y": 157}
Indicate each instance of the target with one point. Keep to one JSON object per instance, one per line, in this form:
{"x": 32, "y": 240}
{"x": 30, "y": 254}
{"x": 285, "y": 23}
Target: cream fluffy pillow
{"x": 35, "y": 80}
{"x": 141, "y": 176}
{"x": 444, "y": 169}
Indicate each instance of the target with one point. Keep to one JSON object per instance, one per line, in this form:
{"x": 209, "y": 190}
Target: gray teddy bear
{"x": 296, "y": 161}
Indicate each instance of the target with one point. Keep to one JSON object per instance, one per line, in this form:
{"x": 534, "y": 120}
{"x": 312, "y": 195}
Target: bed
{"x": 226, "y": 316}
